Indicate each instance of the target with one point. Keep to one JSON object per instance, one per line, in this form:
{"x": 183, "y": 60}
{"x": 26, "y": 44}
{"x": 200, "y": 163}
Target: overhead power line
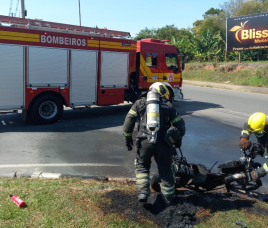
{"x": 10, "y": 8}
{"x": 16, "y": 8}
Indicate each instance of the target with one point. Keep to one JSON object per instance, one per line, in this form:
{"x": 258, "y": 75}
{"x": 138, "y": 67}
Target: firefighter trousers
{"x": 162, "y": 154}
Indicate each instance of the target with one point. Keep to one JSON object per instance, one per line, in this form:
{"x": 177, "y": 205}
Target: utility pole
{"x": 22, "y": 10}
{"x": 79, "y": 13}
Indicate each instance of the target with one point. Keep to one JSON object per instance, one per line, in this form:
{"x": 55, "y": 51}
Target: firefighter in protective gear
{"x": 160, "y": 149}
{"x": 257, "y": 124}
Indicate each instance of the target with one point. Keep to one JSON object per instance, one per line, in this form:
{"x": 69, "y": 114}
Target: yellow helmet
{"x": 161, "y": 89}
{"x": 257, "y": 121}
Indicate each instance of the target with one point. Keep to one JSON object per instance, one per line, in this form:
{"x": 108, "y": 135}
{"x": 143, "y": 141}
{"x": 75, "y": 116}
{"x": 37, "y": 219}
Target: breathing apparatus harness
{"x": 153, "y": 121}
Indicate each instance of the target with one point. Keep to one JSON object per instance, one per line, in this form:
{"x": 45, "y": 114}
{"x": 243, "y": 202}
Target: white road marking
{"x": 50, "y": 175}
{"x": 3, "y": 122}
{"x": 59, "y": 165}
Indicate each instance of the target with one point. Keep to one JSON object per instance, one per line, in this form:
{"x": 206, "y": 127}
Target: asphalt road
{"x": 90, "y": 141}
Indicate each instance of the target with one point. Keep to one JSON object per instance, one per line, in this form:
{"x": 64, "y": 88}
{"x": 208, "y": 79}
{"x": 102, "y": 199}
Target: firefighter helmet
{"x": 257, "y": 121}
{"x": 161, "y": 89}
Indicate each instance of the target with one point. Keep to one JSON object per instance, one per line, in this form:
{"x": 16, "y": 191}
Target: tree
{"x": 196, "y": 29}
{"x": 212, "y": 11}
{"x": 250, "y": 7}
{"x": 146, "y": 33}
{"x": 213, "y": 23}
{"x": 185, "y": 46}
{"x": 214, "y": 20}
{"x": 209, "y": 46}
{"x": 165, "y": 33}
{"x": 230, "y": 8}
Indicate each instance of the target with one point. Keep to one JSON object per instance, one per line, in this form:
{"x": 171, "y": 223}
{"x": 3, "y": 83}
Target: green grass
{"x": 223, "y": 219}
{"x": 249, "y": 74}
{"x": 90, "y": 203}
{"x": 62, "y": 203}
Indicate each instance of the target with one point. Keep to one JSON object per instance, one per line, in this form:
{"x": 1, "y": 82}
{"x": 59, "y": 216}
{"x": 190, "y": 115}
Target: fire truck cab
{"x": 157, "y": 61}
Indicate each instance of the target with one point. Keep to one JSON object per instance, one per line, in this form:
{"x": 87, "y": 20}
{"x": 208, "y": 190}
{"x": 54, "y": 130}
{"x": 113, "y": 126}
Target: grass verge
{"x": 90, "y": 203}
{"x": 249, "y": 74}
{"x": 63, "y": 203}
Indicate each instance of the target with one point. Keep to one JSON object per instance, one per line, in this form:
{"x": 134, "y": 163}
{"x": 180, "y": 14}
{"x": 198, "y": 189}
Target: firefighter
{"x": 158, "y": 131}
{"x": 257, "y": 124}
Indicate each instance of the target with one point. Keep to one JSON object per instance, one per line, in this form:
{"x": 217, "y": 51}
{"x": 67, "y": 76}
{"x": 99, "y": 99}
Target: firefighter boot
{"x": 167, "y": 200}
{"x": 258, "y": 173}
{"x": 142, "y": 198}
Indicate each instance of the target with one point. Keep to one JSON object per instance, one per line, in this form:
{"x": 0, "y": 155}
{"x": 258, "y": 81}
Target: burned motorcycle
{"x": 231, "y": 174}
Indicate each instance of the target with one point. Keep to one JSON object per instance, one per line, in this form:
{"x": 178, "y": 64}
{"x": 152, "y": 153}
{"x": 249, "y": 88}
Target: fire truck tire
{"x": 46, "y": 109}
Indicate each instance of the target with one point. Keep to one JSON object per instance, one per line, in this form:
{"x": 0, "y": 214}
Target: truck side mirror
{"x": 183, "y": 63}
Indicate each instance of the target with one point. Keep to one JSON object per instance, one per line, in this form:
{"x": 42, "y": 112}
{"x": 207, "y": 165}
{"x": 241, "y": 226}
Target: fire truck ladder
{"x": 37, "y": 24}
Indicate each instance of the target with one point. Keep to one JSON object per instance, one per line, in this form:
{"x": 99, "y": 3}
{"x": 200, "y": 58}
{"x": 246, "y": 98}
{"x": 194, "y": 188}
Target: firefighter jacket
{"x": 262, "y": 138}
{"x": 168, "y": 117}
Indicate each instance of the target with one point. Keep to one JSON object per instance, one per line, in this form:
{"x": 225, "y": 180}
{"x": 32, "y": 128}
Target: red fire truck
{"x": 45, "y": 66}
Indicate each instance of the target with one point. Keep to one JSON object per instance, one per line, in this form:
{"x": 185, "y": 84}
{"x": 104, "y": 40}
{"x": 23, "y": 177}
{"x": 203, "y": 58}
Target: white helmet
{"x": 161, "y": 89}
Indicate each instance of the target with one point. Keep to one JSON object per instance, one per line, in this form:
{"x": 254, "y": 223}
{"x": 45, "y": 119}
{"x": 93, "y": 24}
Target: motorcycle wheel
{"x": 155, "y": 183}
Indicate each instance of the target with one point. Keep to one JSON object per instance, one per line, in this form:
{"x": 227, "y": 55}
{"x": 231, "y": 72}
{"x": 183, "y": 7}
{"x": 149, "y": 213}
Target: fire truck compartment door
{"x": 114, "y": 69}
{"x": 11, "y": 77}
{"x": 47, "y": 67}
{"x": 83, "y": 77}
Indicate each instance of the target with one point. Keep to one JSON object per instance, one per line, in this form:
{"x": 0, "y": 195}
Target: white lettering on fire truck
{"x": 63, "y": 40}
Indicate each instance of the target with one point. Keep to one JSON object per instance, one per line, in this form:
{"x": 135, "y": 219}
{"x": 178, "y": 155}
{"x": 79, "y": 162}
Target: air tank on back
{"x": 153, "y": 115}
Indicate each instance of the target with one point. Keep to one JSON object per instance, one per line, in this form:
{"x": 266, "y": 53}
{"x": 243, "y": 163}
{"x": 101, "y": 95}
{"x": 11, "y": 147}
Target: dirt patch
{"x": 228, "y": 67}
{"x": 209, "y": 67}
{"x": 239, "y": 67}
{"x": 188, "y": 208}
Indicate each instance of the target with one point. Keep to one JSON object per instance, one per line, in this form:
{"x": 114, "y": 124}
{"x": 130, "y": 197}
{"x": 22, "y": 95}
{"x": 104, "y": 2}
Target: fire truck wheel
{"x": 47, "y": 109}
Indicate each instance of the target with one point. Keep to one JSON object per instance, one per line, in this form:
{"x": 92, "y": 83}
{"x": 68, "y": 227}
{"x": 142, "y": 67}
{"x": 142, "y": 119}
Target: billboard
{"x": 248, "y": 32}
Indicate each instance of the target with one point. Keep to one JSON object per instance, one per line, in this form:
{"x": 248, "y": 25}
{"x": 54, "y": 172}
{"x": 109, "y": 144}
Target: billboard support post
{"x": 239, "y": 56}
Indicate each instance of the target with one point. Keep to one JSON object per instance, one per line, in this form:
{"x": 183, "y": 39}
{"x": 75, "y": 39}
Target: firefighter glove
{"x": 172, "y": 135}
{"x": 244, "y": 143}
{"x": 178, "y": 143}
{"x": 129, "y": 142}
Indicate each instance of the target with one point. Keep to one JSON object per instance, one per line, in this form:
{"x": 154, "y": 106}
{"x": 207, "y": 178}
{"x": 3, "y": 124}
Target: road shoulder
{"x": 250, "y": 89}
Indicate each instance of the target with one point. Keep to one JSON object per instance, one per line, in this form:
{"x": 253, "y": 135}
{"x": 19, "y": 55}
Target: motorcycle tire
{"x": 155, "y": 183}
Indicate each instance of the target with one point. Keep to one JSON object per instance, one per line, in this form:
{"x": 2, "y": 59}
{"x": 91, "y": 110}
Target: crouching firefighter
{"x": 257, "y": 124}
{"x": 160, "y": 127}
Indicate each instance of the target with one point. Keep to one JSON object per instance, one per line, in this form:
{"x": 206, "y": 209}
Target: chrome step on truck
{"x": 11, "y": 112}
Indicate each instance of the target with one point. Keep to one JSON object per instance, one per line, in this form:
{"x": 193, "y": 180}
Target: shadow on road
{"x": 187, "y": 107}
{"x": 90, "y": 119}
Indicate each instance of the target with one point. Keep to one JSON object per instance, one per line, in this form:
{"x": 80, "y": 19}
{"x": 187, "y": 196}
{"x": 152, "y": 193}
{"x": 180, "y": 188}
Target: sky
{"x": 120, "y": 15}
